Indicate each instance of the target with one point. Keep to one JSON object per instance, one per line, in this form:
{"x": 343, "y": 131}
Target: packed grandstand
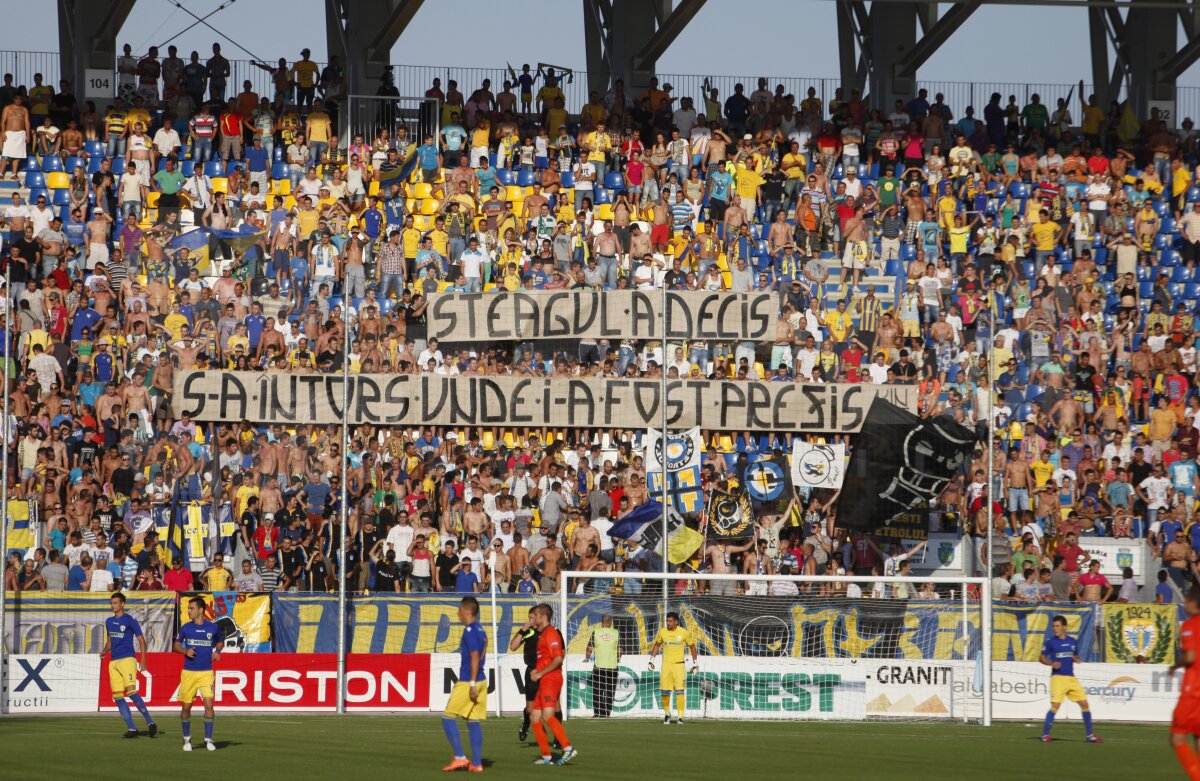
{"x": 1032, "y": 263}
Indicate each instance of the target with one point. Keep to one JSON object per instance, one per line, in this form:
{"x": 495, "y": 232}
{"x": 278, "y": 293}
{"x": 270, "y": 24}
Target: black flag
{"x": 899, "y": 462}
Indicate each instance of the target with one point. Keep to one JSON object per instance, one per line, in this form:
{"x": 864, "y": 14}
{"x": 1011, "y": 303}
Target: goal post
{"x": 794, "y": 647}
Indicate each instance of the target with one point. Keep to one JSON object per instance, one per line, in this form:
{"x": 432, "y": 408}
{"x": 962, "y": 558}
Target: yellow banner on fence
{"x": 1140, "y": 633}
{"x": 245, "y": 619}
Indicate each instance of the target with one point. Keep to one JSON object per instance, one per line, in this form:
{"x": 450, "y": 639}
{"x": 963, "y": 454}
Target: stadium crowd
{"x": 1032, "y": 260}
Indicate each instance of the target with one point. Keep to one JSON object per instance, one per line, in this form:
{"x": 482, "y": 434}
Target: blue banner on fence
{"x": 723, "y": 626}
{"x": 386, "y": 624}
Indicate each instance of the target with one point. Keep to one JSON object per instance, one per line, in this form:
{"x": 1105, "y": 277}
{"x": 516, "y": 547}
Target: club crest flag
{"x": 730, "y": 516}
{"x": 818, "y": 466}
{"x": 681, "y": 463}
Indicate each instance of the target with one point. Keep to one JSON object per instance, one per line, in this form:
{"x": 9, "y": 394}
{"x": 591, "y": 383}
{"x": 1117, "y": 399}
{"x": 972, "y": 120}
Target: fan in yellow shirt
{"x": 674, "y": 641}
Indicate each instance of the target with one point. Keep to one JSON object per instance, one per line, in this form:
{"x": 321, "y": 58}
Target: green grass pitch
{"x": 279, "y": 746}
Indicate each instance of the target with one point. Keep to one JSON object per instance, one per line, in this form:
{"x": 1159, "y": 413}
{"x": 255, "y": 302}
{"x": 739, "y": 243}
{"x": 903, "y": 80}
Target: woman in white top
{"x": 310, "y": 185}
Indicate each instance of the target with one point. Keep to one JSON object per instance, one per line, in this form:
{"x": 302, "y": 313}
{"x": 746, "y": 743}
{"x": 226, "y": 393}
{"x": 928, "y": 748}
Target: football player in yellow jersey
{"x": 674, "y": 641}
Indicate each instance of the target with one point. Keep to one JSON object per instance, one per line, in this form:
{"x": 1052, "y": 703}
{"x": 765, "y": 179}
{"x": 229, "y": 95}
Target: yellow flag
{"x": 683, "y": 544}
{"x": 1128, "y": 127}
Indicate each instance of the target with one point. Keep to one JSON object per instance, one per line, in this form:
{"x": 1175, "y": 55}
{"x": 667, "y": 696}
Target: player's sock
{"x": 451, "y": 728}
{"x": 539, "y": 732}
{"x": 123, "y": 707}
{"x": 666, "y": 703}
{"x": 475, "y": 735}
{"x": 560, "y": 734}
{"x": 525, "y": 721}
{"x": 140, "y": 704}
{"x": 1048, "y": 723}
{"x": 208, "y": 726}
{"x": 187, "y": 730}
{"x": 1087, "y": 721}
{"x": 1187, "y": 758}
{"x": 680, "y": 703}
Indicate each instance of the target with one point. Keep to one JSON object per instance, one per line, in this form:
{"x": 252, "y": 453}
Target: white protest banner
{"x": 619, "y": 314}
{"x": 404, "y": 399}
{"x": 818, "y": 466}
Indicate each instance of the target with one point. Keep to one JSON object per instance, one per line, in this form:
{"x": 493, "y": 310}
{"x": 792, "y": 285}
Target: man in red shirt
{"x": 548, "y": 675}
{"x": 178, "y": 578}
{"x": 266, "y": 538}
{"x": 231, "y": 133}
{"x": 1185, "y": 722}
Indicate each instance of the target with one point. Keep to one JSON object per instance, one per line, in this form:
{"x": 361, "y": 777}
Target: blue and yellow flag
{"x": 20, "y": 535}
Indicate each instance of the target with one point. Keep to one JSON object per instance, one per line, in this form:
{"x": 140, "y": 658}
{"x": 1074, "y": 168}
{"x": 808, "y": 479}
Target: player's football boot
{"x": 153, "y": 729}
{"x": 187, "y": 745}
{"x": 522, "y": 734}
{"x": 569, "y": 754}
{"x": 666, "y": 719}
{"x": 1094, "y": 739}
{"x": 1047, "y": 739}
{"x": 679, "y": 720}
{"x": 130, "y": 733}
{"x": 475, "y": 768}
{"x": 208, "y": 744}
{"x": 543, "y": 761}
{"x": 456, "y": 764}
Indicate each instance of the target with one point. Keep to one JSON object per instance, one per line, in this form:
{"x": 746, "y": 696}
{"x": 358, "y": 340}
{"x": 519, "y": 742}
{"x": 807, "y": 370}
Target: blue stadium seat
{"x": 277, "y": 153}
{"x": 38, "y": 192}
{"x": 35, "y": 179}
{"x": 52, "y": 163}
{"x": 1193, "y": 194}
{"x": 1161, "y": 208}
{"x": 908, "y": 252}
{"x": 94, "y": 164}
{"x": 894, "y": 268}
{"x": 1019, "y": 189}
{"x": 94, "y": 148}
{"x": 1182, "y": 274}
{"x": 214, "y": 168}
{"x": 118, "y": 166}
{"x": 1129, "y": 223}
{"x": 279, "y": 170}
{"x": 1170, "y": 258}
{"x": 602, "y": 195}
{"x": 613, "y": 180}
{"x": 526, "y": 178}
{"x": 61, "y": 197}
{"x": 1145, "y": 289}
{"x": 1145, "y": 273}
{"x": 1175, "y": 289}
{"x": 1027, "y": 269}
{"x": 1191, "y": 289}
{"x": 506, "y": 177}
{"x": 1166, "y": 224}
{"x": 73, "y": 161}
{"x": 32, "y": 164}
{"x": 1162, "y": 241}
{"x": 187, "y": 167}
{"x": 568, "y": 179}
{"x": 1022, "y": 377}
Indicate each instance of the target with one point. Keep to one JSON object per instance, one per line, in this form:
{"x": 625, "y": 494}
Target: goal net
{"x": 783, "y": 647}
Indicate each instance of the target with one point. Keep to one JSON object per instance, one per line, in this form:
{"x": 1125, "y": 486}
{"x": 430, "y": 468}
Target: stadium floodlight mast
{"x": 986, "y": 597}
{"x": 958, "y": 691}
{"x": 4, "y": 485}
{"x": 663, "y": 442}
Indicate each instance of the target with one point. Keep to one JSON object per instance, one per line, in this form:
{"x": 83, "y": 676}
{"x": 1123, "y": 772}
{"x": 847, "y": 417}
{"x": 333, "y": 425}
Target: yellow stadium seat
{"x": 373, "y": 189}
{"x": 429, "y": 206}
{"x": 510, "y": 439}
{"x": 220, "y": 185}
{"x": 58, "y": 180}
{"x": 289, "y": 202}
{"x": 488, "y": 440}
{"x": 422, "y": 190}
{"x": 604, "y": 211}
{"x": 152, "y": 199}
{"x": 726, "y": 444}
{"x": 514, "y": 193}
{"x": 518, "y": 208}
{"x": 283, "y": 187}
{"x": 489, "y": 287}
{"x": 198, "y": 437}
{"x": 760, "y": 370}
{"x": 701, "y": 227}
{"x": 549, "y": 438}
{"x": 422, "y": 222}
{"x": 410, "y": 205}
